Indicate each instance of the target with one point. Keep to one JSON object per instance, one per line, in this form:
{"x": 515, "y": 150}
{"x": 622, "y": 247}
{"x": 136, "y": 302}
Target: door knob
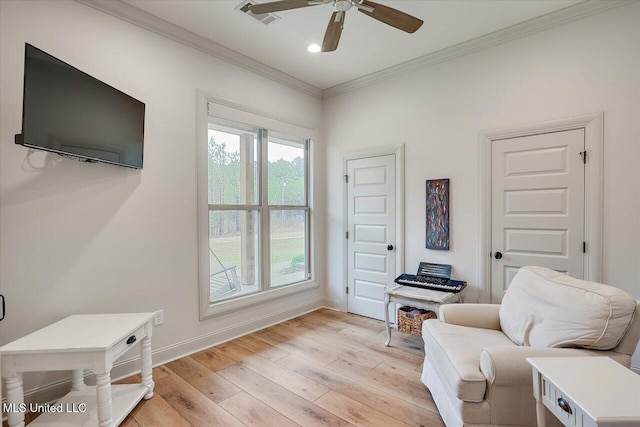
{"x": 389, "y": 247}
{"x": 497, "y": 255}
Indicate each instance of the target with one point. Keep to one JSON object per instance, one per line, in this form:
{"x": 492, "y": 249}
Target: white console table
{"x": 426, "y": 299}
{"x": 586, "y": 391}
{"x": 92, "y": 341}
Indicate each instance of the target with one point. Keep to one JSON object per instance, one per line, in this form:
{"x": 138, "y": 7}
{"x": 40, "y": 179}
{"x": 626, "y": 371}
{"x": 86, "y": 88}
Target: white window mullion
{"x": 307, "y": 173}
{"x": 265, "y": 232}
{"x": 307, "y": 249}
{"x": 289, "y": 207}
{"x": 235, "y": 207}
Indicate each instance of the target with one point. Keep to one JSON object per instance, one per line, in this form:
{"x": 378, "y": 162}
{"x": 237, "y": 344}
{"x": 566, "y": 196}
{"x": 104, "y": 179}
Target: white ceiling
{"x": 366, "y": 45}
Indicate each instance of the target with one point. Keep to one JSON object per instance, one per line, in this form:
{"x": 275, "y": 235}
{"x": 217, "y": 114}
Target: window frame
{"x": 211, "y": 108}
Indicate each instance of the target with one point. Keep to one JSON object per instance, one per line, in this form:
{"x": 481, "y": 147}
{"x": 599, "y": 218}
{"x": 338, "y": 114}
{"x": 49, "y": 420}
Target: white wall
{"x": 587, "y": 66}
{"x": 93, "y": 238}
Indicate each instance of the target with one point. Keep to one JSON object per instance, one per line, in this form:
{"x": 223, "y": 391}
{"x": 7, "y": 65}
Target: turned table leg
{"x": 103, "y": 390}
{"x": 15, "y": 400}
{"x": 147, "y": 376}
{"x": 386, "y": 319}
{"x": 540, "y": 413}
{"x": 77, "y": 379}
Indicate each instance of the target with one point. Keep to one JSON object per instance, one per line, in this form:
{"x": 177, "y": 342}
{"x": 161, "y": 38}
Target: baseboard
{"x": 125, "y": 368}
{"x": 332, "y": 304}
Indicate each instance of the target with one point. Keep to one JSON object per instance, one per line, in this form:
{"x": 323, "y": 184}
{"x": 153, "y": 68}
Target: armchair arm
{"x": 507, "y": 365}
{"x": 486, "y": 316}
{"x": 510, "y": 381}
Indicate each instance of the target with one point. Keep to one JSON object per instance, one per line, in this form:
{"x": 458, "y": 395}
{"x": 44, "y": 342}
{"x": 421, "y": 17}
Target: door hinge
{"x": 347, "y": 290}
{"x": 347, "y": 233}
{"x": 583, "y": 154}
{"x": 346, "y": 179}
{"x": 584, "y": 247}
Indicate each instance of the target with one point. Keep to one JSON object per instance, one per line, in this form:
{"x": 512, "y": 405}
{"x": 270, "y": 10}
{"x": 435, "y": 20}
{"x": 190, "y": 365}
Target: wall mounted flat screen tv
{"x": 68, "y": 112}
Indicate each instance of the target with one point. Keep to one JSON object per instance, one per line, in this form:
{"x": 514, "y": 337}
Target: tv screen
{"x": 71, "y": 113}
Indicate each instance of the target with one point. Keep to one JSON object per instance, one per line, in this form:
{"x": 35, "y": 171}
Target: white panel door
{"x": 371, "y": 224}
{"x": 537, "y": 208}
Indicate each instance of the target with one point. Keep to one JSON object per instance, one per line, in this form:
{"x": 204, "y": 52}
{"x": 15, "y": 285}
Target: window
{"x": 257, "y": 233}
{"x": 234, "y": 210}
{"x": 288, "y": 209}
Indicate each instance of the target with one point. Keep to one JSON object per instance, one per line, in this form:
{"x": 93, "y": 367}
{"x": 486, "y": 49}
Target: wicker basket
{"x": 410, "y": 319}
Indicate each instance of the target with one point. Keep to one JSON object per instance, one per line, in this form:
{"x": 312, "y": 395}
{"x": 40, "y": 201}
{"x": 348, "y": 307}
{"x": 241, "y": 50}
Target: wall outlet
{"x": 158, "y": 318}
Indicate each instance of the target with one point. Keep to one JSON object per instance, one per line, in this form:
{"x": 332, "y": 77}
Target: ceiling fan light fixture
{"x": 313, "y": 48}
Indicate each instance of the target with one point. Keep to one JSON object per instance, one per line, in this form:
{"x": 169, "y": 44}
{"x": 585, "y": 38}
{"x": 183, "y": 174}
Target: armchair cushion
{"x": 455, "y": 351}
{"x": 544, "y": 308}
{"x": 508, "y": 366}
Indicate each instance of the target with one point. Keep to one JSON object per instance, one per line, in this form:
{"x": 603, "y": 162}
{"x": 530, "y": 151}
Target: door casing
{"x": 594, "y": 145}
{"x": 398, "y": 151}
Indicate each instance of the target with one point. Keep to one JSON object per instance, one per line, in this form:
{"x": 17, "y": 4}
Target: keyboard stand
{"x": 416, "y": 297}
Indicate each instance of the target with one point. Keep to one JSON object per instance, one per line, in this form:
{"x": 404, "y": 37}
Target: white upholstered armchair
{"x": 475, "y": 354}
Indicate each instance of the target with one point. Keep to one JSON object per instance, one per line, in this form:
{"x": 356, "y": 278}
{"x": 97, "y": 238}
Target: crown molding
{"x": 523, "y": 29}
{"x": 150, "y": 22}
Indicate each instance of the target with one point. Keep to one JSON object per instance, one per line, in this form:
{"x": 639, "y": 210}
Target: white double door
{"x": 537, "y": 205}
{"x": 371, "y": 228}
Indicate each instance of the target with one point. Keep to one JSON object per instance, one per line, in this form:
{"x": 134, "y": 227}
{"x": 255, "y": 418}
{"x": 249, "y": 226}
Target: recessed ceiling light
{"x": 313, "y": 48}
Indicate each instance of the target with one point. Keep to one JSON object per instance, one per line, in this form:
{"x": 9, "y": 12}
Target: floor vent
{"x": 265, "y": 18}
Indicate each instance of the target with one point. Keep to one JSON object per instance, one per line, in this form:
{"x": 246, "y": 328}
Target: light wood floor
{"x": 325, "y": 368}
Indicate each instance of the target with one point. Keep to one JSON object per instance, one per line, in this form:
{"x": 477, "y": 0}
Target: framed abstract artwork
{"x": 438, "y": 214}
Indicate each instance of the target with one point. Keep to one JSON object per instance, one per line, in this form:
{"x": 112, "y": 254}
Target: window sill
{"x": 223, "y": 307}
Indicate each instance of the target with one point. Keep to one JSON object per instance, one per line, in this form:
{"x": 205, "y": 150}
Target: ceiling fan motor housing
{"x": 342, "y": 5}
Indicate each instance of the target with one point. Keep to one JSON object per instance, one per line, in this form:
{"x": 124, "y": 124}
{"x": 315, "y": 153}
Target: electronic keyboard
{"x": 430, "y": 282}
{"x": 432, "y": 276}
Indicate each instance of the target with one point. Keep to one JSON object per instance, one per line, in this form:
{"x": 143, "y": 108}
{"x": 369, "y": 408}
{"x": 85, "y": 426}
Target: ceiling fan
{"x": 388, "y": 15}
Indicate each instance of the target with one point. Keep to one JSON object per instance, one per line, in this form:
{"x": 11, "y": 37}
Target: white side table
{"x": 416, "y": 297}
{"x": 586, "y": 391}
{"x": 92, "y": 341}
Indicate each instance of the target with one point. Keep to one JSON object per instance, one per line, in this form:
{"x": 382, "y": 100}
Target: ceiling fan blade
{"x": 333, "y": 33}
{"x": 391, "y": 16}
{"x": 277, "y": 6}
